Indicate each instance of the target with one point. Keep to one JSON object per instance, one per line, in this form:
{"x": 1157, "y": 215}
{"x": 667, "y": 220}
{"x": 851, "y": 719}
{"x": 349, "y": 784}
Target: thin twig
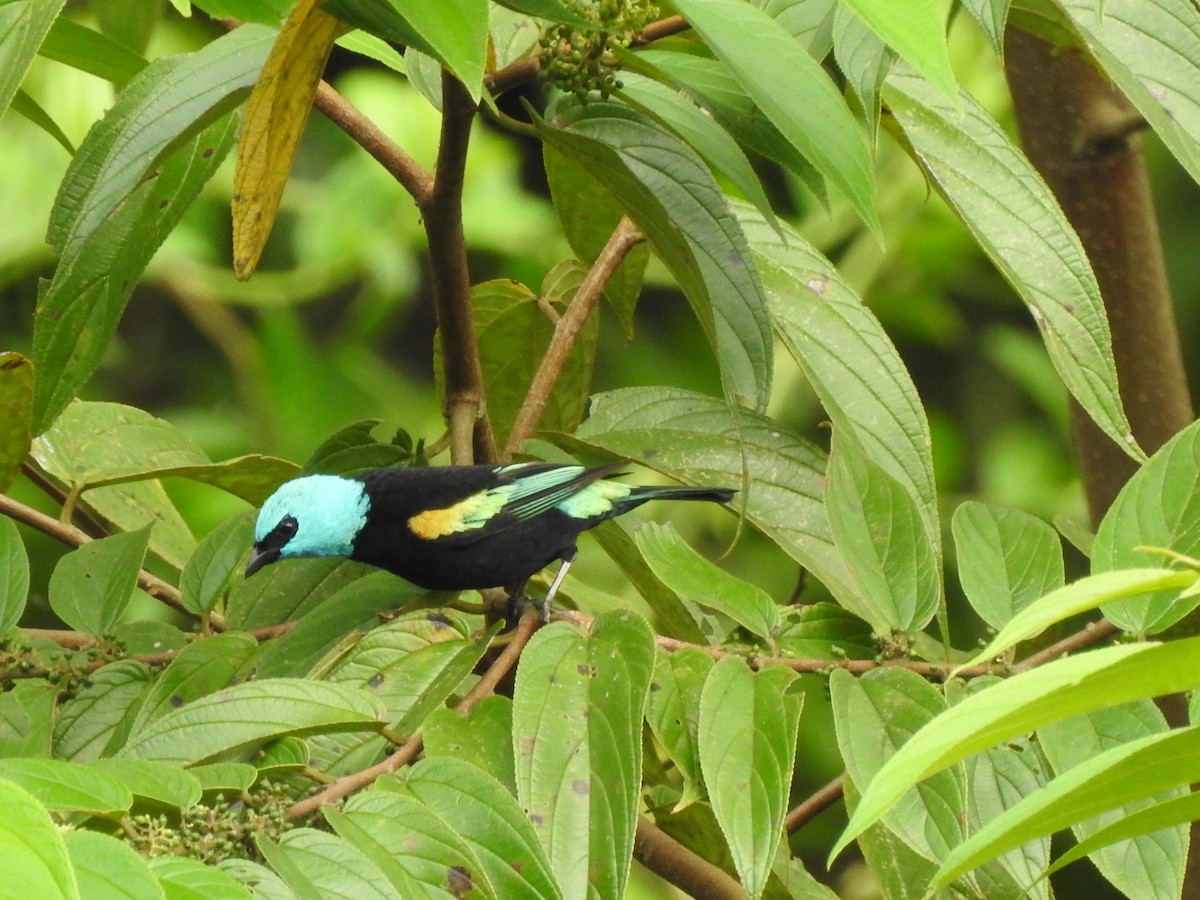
{"x": 664, "y": 855}
{"x": 624, "y": 238}
{"x": 68, "y": 640}
{"x": 371, "y": 138}
{"x": 405, "y": 754}
{"x": 813, "y": 805}
{"x": 73, "y": 537}
{"x": 1090, "y": 634}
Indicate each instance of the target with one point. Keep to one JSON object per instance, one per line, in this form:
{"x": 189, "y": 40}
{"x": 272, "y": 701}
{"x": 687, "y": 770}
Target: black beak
{"x": 259, "y": 557}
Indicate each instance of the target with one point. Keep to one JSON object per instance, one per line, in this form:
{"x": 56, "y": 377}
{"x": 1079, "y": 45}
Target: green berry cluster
{"x": 584, "y": 63}
{"x": 212, "y": 832}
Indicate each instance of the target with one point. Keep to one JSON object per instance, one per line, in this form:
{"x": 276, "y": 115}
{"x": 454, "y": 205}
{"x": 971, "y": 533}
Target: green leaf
{"x": 848, "y": 358}
{"x": 874, "y": 716}
{"x": 187, "y": 879}
{"x": 998, "y": 778}
{"x": 109, "y": 869}
{"x": 714, "y": 88}
{"x": 671, "y": 615}
{"x": 201, "y": 668}
{"x": 1150, "y": 865}
{"x": 412, "y": 665}
{"x": 35, "y": 857}
{"x": 589, "y": 213}
{"x": 436, "y": 857}
{"x": 1180, "y": 810}
{"x": 792, "y": 90}
{"x": 69, "y": 787}
{"x": 577, "y": 712}
{"x": 672, "y": 197}
{"x": 456, "y": 33}
{"x": 992, "y": 15}
{"x": 252, "y": 713}
{"x": 1157, "y": 507}
{"x": 319, "y": 864}
{"x": 1129, "y": 771}
{"x": 372, "y": 47}
{"x": 353, "y": 448}
{"x": 692, "y": 576}
{"x": 879, "y": 531}
{"x": 369, "y": 842}
{"x": 747, "y": 736}
{"x": 92, "y": 585}
{"x": 90, "y": 51}
{"x": 92, "y": 719}
{"x": 95, "y": 444}
{"x": 826, "y": 631}
{"x": 863, "y": 57}
{"x": 694, "y": 439}
{"x": 264, "y": 883}
{"x": 1016, "y": 220}
{"x": 27, "y": 711}
{"x": 554, "y": 10}
{"x": 134, "y": 176}
{"x": 482, "y": 737}
{"x": 211, "y": 567}
{"x": 1057, "y": 690}
{"x": 1081, "y": 596}
{"x": 676, "y": 111}
{"x": 26, "y": 106}
{"x": 357, "y": 606}
{"x": 23, "y": 27}
{"x": 1150, "y": 51}
{"x": 673, "y": 713}
{"x": 160, "y": 783}
{"x": 14, "y": 575}
{"x": 287, "y": 591}
{"x": 488, "y": 819}
{"x": 16, "y": 408}
{"x": 916, "y": 30}
{"x": 1007, "y": 559}
{"x": 225, "y": 777}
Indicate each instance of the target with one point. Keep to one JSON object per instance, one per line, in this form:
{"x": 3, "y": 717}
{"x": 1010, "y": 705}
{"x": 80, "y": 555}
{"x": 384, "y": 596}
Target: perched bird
{"x": 453, "y": 527}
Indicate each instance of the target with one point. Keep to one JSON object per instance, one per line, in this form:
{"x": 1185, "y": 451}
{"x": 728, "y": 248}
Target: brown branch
{"x": 350, "y": 783}
{"x": 371, "y": 138}
{"x": 68, "y": 640}
{"x": 73, "y": 537}
{"x": 470, "y": 432}
{"x": 815, "y": 804}
{"x": 664, "y": 855}
{"x": 624, "y": 238}
{"x": 1090, "y": 634}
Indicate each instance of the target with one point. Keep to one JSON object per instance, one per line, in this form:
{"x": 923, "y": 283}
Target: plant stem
{"x": 371, "y": 138}
{"x": 815, "y": 804}
{"x": 624, "y": 238}
{"x": 73, "y": 537}
{"x": 664, "y": 855}
{"x": 470, "y": 431}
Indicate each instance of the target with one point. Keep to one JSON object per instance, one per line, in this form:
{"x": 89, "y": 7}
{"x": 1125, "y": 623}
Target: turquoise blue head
{"x": 317, "y": 515}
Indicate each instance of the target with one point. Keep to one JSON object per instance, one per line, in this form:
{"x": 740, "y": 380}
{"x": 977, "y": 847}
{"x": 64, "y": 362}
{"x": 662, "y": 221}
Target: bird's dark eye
{"x": 287, "y": 527}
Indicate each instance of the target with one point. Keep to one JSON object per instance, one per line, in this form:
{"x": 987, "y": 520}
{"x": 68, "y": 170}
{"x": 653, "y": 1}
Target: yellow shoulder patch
{"x": 471, "y": 512}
